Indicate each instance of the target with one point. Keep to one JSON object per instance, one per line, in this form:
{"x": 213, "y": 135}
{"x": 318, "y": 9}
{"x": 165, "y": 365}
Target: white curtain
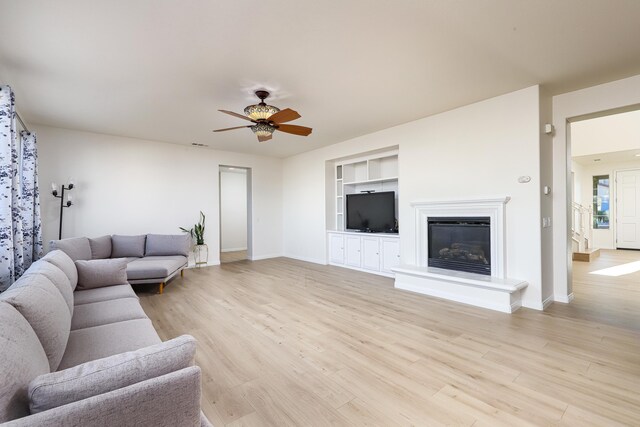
{"x": 32, "y": 248}
{"x": 14, "y": 216}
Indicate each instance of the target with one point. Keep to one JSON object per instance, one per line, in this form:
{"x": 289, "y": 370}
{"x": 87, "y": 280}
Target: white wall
{"x": 616, "y": 132}
{"x": 133, "y": 186}
{"x": 233, "y": 210}
{"x": 623, "y": 93}
{"x": 475, "y": 151}
{"x": 546, "y": 200}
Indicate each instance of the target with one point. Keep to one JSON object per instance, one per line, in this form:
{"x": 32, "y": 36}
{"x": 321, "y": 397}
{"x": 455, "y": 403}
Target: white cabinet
{"x": 373, "y": 253}
{"x": 353, "y": 250}
{"x": 336, "y": 248}
{"x": 390, "y": 254}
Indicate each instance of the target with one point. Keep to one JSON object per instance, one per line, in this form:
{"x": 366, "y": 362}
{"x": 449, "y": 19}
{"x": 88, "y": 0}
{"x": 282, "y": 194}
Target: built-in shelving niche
{"x": 375, "y": 171}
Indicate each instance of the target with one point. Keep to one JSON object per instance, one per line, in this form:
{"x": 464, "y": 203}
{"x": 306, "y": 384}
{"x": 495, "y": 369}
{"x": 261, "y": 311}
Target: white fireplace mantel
{"x": 496, "y": 292}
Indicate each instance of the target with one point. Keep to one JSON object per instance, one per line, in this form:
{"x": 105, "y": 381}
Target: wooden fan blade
{"x": 237, "y": 127}
{"x": 264, "y": 138}
{"x": 240, "y": 116}
{"x": 296, "y": 130}
{"x": 284, "y": 116}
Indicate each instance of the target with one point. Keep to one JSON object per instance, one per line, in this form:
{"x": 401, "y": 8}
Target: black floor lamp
{"x": 63, "y": 203}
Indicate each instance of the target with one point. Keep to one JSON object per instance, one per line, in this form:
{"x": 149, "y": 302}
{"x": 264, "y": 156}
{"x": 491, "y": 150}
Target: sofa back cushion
{"x": 100, "y": 247}
{"x": 57, "y": 277}
{"x": 64, "y": 263}
{"x": 127, "y": 246}
{"x": 168, "y": 244}
{"x": 40, "y": 302}
{"x": 22, "y": 359}
{"x": 76, "y": 247}
{"x": 98, "y": 273}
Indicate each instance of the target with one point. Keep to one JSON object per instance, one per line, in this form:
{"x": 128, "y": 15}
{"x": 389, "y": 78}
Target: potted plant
{"x": 200, "y": 250}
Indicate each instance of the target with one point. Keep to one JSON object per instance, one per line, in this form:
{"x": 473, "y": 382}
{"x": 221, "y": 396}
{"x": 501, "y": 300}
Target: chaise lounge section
{"x": 151, "y": 258}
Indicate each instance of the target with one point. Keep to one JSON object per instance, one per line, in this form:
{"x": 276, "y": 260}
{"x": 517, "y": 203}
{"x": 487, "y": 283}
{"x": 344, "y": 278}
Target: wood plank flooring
{"x": 287, "y": 343}
{"x": 233, "y": 256}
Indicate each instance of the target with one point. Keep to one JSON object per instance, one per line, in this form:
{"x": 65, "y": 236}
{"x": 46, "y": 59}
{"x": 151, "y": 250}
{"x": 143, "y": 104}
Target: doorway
{"x": 235, "y": 213}
{"x": 605, "y": 218}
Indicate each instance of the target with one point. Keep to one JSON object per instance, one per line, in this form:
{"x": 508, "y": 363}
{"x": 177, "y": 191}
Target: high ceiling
{"x": 160, "y": 69}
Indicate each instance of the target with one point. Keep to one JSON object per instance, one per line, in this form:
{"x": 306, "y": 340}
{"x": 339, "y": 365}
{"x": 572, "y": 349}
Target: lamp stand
{"x": 63, "y": 204}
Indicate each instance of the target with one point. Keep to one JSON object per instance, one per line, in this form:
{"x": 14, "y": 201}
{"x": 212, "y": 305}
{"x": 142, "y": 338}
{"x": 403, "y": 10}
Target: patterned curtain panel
{"x": 20, "y": 225}
{"x": 32, "y": 248}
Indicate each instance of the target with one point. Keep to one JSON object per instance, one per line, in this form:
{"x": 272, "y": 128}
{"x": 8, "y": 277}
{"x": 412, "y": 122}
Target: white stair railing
{"x": 582, "y": 226}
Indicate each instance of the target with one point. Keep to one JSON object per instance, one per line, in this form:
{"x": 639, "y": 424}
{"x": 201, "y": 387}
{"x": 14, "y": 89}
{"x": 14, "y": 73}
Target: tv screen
{"x": 371, "y": 211}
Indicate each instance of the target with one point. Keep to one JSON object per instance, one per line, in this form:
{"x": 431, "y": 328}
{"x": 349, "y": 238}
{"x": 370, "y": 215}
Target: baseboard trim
{"x": 260, "y": 257}
{"x": 306, "y": 259}
{"x": 233, "y": 249}
{"x": 547, "y": 302}
{"x": 565, "y": 299}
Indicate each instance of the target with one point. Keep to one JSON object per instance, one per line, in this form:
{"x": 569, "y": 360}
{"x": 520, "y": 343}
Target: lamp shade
{"x": 260, "y": 111}
{"x": 263, "y": 129}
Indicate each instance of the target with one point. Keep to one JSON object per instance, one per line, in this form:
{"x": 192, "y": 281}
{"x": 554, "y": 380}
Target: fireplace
{"x": 460, "y": 243}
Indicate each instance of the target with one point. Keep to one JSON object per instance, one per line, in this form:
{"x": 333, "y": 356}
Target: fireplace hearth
{"x": 460, "y": 243}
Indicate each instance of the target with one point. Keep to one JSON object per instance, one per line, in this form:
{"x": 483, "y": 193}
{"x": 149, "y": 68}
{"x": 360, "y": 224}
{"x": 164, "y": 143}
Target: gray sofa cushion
{"x": 100, "y": 247}
{"x": 57, "y": 277}
{"x": 111, "y": 373}
{"x": 105, "y": 312}
{"x": 127, "y": 246}
{"x": 76, "y": 247}
{"x": 64, "y": 263}
{"x": 154, "y": 267}
{"x": 168, "y": 244}
{"x": 101, "y": 272}
{"x": 106, "y": 340}
{"x": 103, "y": 294}
{"x": 23, "y": 359}
{"x": 40, "y": 302}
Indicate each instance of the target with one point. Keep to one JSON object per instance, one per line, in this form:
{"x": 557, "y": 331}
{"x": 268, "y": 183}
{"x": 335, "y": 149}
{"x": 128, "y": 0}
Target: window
{"x": 601, "y": 202}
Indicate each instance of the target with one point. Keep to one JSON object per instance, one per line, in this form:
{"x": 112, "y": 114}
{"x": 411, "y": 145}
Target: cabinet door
{"x": 390, "y": 254}
{"x": 371, "y": 253}
{"x": 353, "y": 250}
{"x": 336, "y": 248}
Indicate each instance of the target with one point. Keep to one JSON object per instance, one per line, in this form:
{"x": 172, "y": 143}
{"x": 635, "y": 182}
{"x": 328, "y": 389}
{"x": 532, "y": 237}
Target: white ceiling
{"x": 159, "y": 69}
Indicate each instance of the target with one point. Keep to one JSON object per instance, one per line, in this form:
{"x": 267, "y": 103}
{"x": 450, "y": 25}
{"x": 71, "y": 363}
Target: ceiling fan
{"x": 268, "y": 119}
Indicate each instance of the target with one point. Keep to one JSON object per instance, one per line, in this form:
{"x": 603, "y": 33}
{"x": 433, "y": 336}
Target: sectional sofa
{"x": 77, "y": 349}
{"x": 151, "y": 258}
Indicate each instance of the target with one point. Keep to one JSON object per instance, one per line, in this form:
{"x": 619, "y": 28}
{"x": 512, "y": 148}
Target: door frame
{"x": 619, "y": 96}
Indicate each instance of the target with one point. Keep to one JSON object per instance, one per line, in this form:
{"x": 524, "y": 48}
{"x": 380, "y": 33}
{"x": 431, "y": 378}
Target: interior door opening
{"x": 605, "y": 214}
{"x": 235, "y": 214}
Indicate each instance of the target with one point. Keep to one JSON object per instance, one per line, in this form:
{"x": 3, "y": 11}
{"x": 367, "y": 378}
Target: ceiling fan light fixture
{"x": 260, "y": 111}
{"x": 263, "y": 129}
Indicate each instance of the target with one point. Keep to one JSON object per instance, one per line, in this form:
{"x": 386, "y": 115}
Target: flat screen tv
{"x": 373, "y": 212}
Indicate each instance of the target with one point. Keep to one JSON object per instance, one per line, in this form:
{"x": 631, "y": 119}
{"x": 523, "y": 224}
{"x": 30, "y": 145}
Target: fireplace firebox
{"x": 460, "y": 243}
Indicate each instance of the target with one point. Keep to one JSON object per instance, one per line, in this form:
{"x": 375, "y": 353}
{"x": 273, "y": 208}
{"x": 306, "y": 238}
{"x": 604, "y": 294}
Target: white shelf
{"x": 372, "y": 181}
{"x": 375, "y": 172}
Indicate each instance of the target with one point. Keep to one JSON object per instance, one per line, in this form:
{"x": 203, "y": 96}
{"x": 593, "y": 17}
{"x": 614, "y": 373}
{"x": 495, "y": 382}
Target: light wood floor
{"x": 233, "y": 256}
{"x": 288, "y": 343}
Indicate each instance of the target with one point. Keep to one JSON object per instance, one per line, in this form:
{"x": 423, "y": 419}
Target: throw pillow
{"x": 127, "y": 246}
{"x": 101, "y": 272}
{"x": 110, "y": 373}
{"x": 100, "y": 247}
